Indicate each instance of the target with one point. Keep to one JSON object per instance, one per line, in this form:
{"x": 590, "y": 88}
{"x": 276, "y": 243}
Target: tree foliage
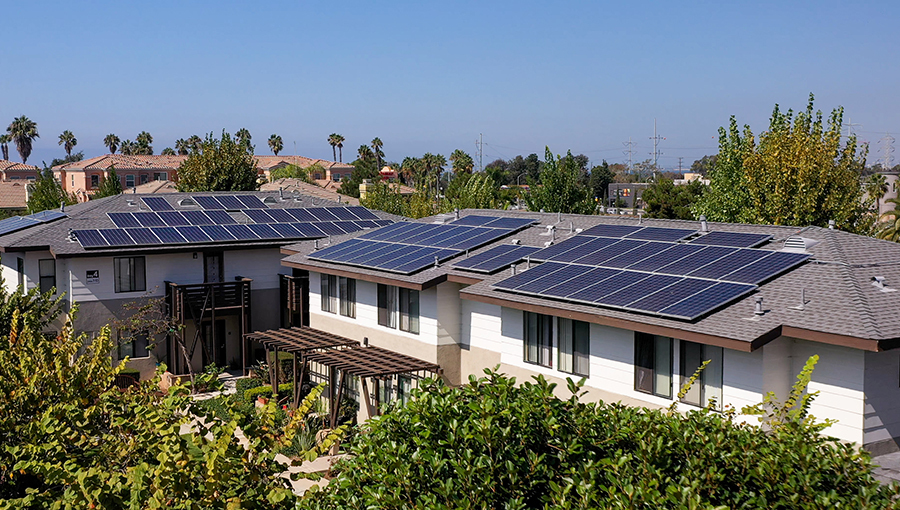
{"x": 111, "y": 142}
{"x": 473, "y": 191}
{"x": 889, "y": 223}
{"x": 110, "y": 186}
{"x": 461, "y": 162}
{"x": 663, "y": 199}
{"x": 219, "y": 165}
{"x": 68, "y": 141}
{"x": 495, "y": 444}
{"x": 365, "y": 167}
{"x": 561, "y": 188}
{"x": 23, "y": 132}
{"x": 296, "y": 172}
{"x": 601, "y": 177}
{"x": 47, "y": 193}
{"x": 798, "y": 174}
{"x": 275, "y": 144}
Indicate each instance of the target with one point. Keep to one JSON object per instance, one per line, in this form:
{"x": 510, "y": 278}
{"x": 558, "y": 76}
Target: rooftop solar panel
{"x": 263, "y": 231}
{"x": 16, "y": 223}
{"x": 729, "y": 263}
{"x": 46, "y": 216}
{"x": 637, "y": 290}
{"x": 370, "y": 251}
{"x": 707, "y": 300}
{"x": 773, "y": 265}
{"x": 661, "y": 234}
{"x": 580, "y": 282}
{"x": 174, "y": 218}
{"x": 241, "y": 232}
{"x": 279, "y": 215}
{"x": 157, "y": 204}
{"x": 386, "y": 255}
{"x": 528, "y": 275}
{"x": 473, "y": 221}
{"x": 538, "y": 285}
{"x": 611, "y": 230}
{"x": 230, "y": 202}
{"x": 366, "y": 224}
{"x": 486, "y": 255}
{"x": 607, "y": 286}
{"x": 674, "y": 293}
{"x": 208, "y": 202}
{"x": 496, "y": 258}
{"x": 123, "y": 220}
{"x": 308, "y": 229}
{"x": 593, "y": 245}
{"x": 197, "y": 217}
{"x": 560, "y": 247}
{"x": 90, "y": 238}
{"x": 116, "y": 237}
{"x": 510, "y": 223}
{"x": 346, "y": 226}
{"x": 426, "y": 260}
{"x": 342, "y": 213}
{"x": 168, "y": 235}
{"x": 301, "y": 214}
{"x": 636, "y": 255}
{"x": 220, "y": 218}
{"x": 286, "y": 231}
{"x": 597, "y": 258}
{"x": 261, "y": 216}
{"x": 696, "y": 260}
{"x": 735, "y": 239}
{"x": 362, "y": 213}
{"x": 143, "y": 236}
{"x": 148, "y": 219}
{"x": 329, "y": 228}
{"x": 217, "y": 233}
{"x": 322, "y": 213}
{"x": 193, "y": 234}
{"x": 665, "y": 257}
{"x": 250, "y": 202}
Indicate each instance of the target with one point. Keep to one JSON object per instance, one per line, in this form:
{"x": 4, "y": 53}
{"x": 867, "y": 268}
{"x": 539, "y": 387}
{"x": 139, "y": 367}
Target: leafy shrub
{"x": 495, "y": 444}
{"x": 245, "y": 383}
{"x": 265, "y": 390}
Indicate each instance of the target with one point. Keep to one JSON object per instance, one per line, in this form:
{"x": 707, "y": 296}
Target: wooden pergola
{"x": 338, "y": 353}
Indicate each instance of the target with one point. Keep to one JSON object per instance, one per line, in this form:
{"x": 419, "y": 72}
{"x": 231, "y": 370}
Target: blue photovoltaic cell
{"x": 16, "y": 223}
{"x": 260, "y": 216}
{"x": 90, "y": 238}
{"x": 279, "y": 215}
{"x": 707, "y": 300}
{"x": 241, "y": 232}
{"x": 526, "y": 276}
{"x": 308, "y": 229}
{"x": 607, "y": 286}
{"x": 174, "y": 218}
{"x": 157, "y": 204}
{"x": 444, "y": 237}
{"x": 473, "y": 221}
{"x": 366, "y": 223}
{"x": 661, "y": 234}
{"x": 664, "y": 258}
{"x": 580, "y": 282}
{"x": 143, "y": 236}
{"x": 775, "y": 264}
{"x": 336, "y": 249}
{"x": 116, "y": 237}
{"x": 46, "y": 216}
{"x": 425, "y": 261}
{"x": 124, "y": 220}
{"x": 300, "y": 214}
{"x": 322, "y": 213}
{"x": 346, "y": 226}
{"x": 735, "y": 239}
{"x": 342, "y": 213}
{"x": 672, "y": 294}
{"x": 217, "y": 233}
{"x": 263, "y": 231}
{"x": 729, "y": 263}
{"x": 208, "y": 202}
{"x": 697, "y": 260}
{"x": 362, "y": 213}
{"x": 329, "y": 228}
{"x": 387, "y": 255}
{"x": 414, "y": 233}
{"x": 387, "y": 231}
{"x": 611, "y": 230}
{"x": 197, "y": 218}
{"x": 220, "y": 218}
{"x": 193, "y": 234}
{"x": 250, "y": 202}
{"x": 560, "y": 247}
{"x": 148, "y": 219}
{"x": 286, "y": 231}
{"x": 479, "y": 239}
{"x": 510, "y": 223}
{"x": 594, "y": 245}
{"x": 502, "y": 260}
{"x": 485, "y": 256}
{"x": 382, "y": 223}
{"x": 230, "y": 202}
{"x": 598, "y": 257}
{"x": 367, "y": 252}
{"x": 538, "y": 285}
{"x": 637, "y": 290}
{"x": 406, "y": 256}
{"x": 636, "y": 255}
{"x": 168, "y": 235}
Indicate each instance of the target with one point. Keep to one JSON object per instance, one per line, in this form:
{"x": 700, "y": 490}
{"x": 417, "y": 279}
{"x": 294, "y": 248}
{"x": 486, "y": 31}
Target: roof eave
{"x": 349, "y": 273}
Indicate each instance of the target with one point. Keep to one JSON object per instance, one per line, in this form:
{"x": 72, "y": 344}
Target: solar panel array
{"x": 408, "y": 247}
{"x": 168, "y": 227}
{"x": 16, "y": 223}
{"x": 495, "y": 258}
{"x": 210, "y": 202}
{"x": 643, "y": 269}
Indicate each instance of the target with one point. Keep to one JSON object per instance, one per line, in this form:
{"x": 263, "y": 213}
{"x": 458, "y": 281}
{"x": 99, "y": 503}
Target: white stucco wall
{"x": 882, "y": 409}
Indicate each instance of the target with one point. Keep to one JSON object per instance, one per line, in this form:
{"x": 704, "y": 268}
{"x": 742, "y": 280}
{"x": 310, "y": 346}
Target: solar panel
{"x": 773, "y": 265}
{"x": 349, "y": 249}
{"x": 250, "y": 202}
{"x": 496, "y": 258}
{"x": 484, "y": 256}
{"x": 148, "y": 219}
{"x": 241, "y": 232}
{"x": 116, "y": 237}
{"x": 168, "y": 235}
{"x": 208, "y": 202}
{"x": 510, "y": 223}
{"x": 580, "y": 282}
{"x": 735, "y": 239}
{"x": 157, "y": 204}
{"x": 561, "y": 247}
{"x": 473, "y": 221}
{"x": 607, "y": 286}
{"x": 611, "y": 230}
{"x": 537, "y": 285}
{"x": 46, "y": 216}
{"x": 425, "y": 260}
{"x": 480, "y": 239}
{"x": 322, "y": 213}
{"x": 329, "y": 228}
{"x": 220, "y": 218}
{"x": 665, "y": 257}
{"x": 279, "y": 215}
{"x": 388, "y": 254}
{"x": 16, "y": 223}
{"x": 530, "y": 274}
{"x": 197, "y": 217}
{"x": 143, "y": 236}
{"x": 260, "y": 216}
{"x": 342, "y": 213}
{"x": 441, "y": 236}
{"x": 263, "y": 231}
{"x": 308, "y": 229}
{"x": 636, "y": 255}
{"x": 193, "y": 234}
{"x": 661, "y": 234}
{"x": 230, "y": 202}
{"x": 285, "y": 230}
{"x": 593, "y": 245}
{"x": 370, "y": 251}
{"x": 301, "y": 214}
{"x": 346, "y": 226}
{"x": 123, "y": 220}
{"x": 362, "y": 213}
{"x": 365, "y": 224}
{"x": 174, "y": 218}
{"x": 615, "y": 249}
{"x": 638, "y": 289}
{"x": 217, "y": 233}
{"x": 674, "y": 293}
{"x": 729, "y": 263}
{"x": 707, "y": 300}
{"x": 90, "y": 238}
{"x": 696, "y": 260}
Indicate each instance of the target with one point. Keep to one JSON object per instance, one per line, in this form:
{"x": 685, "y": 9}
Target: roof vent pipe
{"x": 62, "y": 206}
{"x": 365, "y": 341}
{"x": 435, "y": 261}
{"x": 513, "y": 267}
{"x": 703, "y": 226}
{"x": 316, "y": 245}
{"x": 831, "y": 224}
{"x": 640, "y": 218}
{"x": 571, "y": 227}
{"x": 759, "y": 309}
{"x": 280, "y": 192}
{"x": 878, "y": 281}
{"x": 456, "y": 212}
{"x": 558, "y": 216}
{"x": 528, "y": 262}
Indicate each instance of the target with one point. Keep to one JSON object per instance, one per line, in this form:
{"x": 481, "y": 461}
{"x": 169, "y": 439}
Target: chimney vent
{"x": 758, "y": 311}
{"x": 281, "y": 192}
{"x": 831, "y": 224}
{"x": 513, "y": 268}
{"x": 703, "y": 225}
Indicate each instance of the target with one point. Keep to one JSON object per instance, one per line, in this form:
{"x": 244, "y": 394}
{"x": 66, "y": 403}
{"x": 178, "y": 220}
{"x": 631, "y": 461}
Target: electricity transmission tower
{"x": 887, "y": 152}
{"x": 656, "y": 153}
{"x": 629, "y": 151}
{"x": 479, "y": 151}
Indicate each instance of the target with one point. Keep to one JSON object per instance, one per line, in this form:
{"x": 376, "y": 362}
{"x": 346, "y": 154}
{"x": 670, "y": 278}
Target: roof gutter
{"x": 367, "y": 277}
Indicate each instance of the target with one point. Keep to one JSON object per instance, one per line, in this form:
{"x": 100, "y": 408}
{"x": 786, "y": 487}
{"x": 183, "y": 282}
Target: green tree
{"x": 296, "y": 172}
{"x": 461, "y": 162}
{"x": 798, "y": 174}
{"x": 182, "y": 147}
{"x": 363, "y": 168}
{"x": 143, "y": 143}
{"x": 46, "y": 193}
{"x": 220, "y": 165}
{"x": 168, "y": 151}
{"x": 195, "y": 143}
{"x": 560, "y": 189}
{"x": 704, "y": 165}
{"x": 110, "y": 186}
{"x": 128, "y": 148}
{"x": 111, "y": 142}
{"x": 876, "y": 187}
{"x": 377, "y": 144}
{"x": 664, "y": 200}
{"x": 473, "y": 191}
{"x": 337, "y": 142}
{"x": 78, "y": 156}
{"x": 275, "y": 144}
{"x": 601, "y": 177}
{"x": 68, "y": 141}
{"x": 411, "y": 170}
{"x": 889, "y": 223}
{"x": 23, "y": 132}
{"x": 4, "y": 145}
{"x": 243, "y": 137}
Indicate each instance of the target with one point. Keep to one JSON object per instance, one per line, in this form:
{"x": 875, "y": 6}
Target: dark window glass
{"x": 348, "y": 296}
{"x": 409, "y": 310}
{"x": 575, "y": 347}
{"x": 129, "y": 274}
{"x": 538, "y": 338}
{"x": 329, "y": 293}
{"x": 47, "y": 274}
{"x": 653, "y": 364}
{"x": 387, "y": 306}
{"x": 709, "y": 385}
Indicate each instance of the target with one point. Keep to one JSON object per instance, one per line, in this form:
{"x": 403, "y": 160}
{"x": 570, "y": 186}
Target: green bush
{"x": 284, "y": 390}
{"x": 495, "y": 444}
{"x": 245, "y": 383}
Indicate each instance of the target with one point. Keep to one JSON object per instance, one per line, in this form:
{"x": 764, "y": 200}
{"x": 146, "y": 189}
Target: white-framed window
{"x": 130, "y": 274}
{"x": 160, "y": 176}
{"x": 133, "y": 346}
{"x": 709, "y": 385}
{"x": 574, "y": 347}
{"x": 47, "y": 274}
{"x": 347, "y": 296}
{"x": 653, "y": 364}
{"x": 538, "y": 339}
{"x": 398, "y": 306}
{"x": 20, "y": 270}
{"x": 328, "y": 291}
{"x": 129, "y": 181}
{"x": 409, "y": 310}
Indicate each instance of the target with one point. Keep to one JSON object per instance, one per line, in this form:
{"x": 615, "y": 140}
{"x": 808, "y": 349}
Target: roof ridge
{"x": 858, "y": 298}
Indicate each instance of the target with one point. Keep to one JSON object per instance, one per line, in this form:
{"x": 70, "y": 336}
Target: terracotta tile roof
{"x": 289, "y": 186}
{"x": 123, "y": 162}
{"x": 6, "y": 165}
{"x": 12, "y": 194}
{"x": 153, "y": 187}
{"x": 272, "y": 162}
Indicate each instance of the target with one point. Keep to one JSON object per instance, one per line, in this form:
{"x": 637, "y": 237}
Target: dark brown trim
{"x": 367, "y": 277}
{"x": 832, "y": 339}
{"x": 285, "y": 251}
{"x": 640, "y": 327}
{"x": 199, "y": 248}
{"x": 465, "y": 280}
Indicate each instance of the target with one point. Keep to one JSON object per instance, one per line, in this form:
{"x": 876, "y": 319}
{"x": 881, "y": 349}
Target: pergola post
{"x": 297, "y": 388}
{"x": 295, "y": 391}
{"x": 273, "y": 373}
{"x": 371, "y": 409}
{"x": 336, "y": 407}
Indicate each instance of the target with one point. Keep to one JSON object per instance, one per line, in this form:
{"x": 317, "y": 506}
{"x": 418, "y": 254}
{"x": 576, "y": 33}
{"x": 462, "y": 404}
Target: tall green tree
{"x": 799, "y": 173}
{"x": 195, "y": 143}
{"x": 601, "y": 177}
{"x": 377, "y": 144}
{"x": 889, "y": 223}
{"x": 461, "y": 162}
{"x": 560, "y": 188}
{"x": 365, "y": 167}
{"x": 168, "y": 151}
{"x": 46, "y": 193}
{"x": 68, "y": 141}
{"x": 473, "y": 191}
{"x": 704, "y": 165}
{"x": 111, "y": 142}
{"x": 4, "y": 145}
{"x": 128, "y": 148}
{"x": 243, "y": 137}
{"x": 143, "y": 143}
{"x": 182, "y": 148}
{"x": 337, "y": 142}
{"x": 110, "y": 186}
{"x": 220, "y": 165}
{"x": 664, "y": 200}
{"x": 276, "y": 144}
{"x": 876, "y": 187}
{"x": 23, "y": 132}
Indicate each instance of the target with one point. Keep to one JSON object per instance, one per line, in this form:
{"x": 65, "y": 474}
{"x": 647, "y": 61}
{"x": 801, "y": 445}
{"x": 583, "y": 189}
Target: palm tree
{"x": 335, "y": 140}
{"x": 377, "y": 144}
{"x": 111, "y": 141}
{"x": 4, "y": 146}
{"x": 142, "y": 144}
{"x": 23, "y": 131}
{"x": 182, "y": 146}
{"x": 168, "y": 151}
{"x": 68, "y": 141}
{"x": 462, "y": 162}
{"x": 877, "y": 187}
{"x": 365, "y": 153}
{"x": 243, "y": 137}
{"x": 195, "y": 142}
{"x": 890, "y": 223}
{"x": 128, "y": 148}
{"x": 275, "y": 144}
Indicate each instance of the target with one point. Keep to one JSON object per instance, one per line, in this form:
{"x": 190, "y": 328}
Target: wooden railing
{"x": 187, "y": 302}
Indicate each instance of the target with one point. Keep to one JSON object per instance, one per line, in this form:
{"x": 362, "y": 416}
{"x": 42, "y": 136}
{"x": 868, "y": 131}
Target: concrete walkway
{"x": 888, "y": 469}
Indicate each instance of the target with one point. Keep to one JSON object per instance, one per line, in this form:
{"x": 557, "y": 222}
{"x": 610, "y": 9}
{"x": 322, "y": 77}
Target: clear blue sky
{"x": 431, "y": 76}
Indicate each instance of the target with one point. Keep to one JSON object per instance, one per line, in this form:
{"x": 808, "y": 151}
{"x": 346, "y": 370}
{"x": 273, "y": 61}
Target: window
{"x": 387, "y": 304}
{"x": 409, "y": 310}
{"x": 95, "y": 181}
{"x": 129, "y": 181}
{"x": 538, "y": 338}
{"x": 47, "y": 270}
{"x": 329, "y": 293}
{"x": 20, "y": 269}
{"x": 134, "y": 346}
{"x": 336, "y": 177}
{"x": 144, "y": 178}
{"x": 317, "y": 176}
{"x": 73, "y": 180}
{"x": 130, "y": 275}
{"x": 160, "y": 176}
{"x": 653, "y": 365}
{"x": 347, "y": 291}
{"x": 709, "y": 385}
{"x": 404, "y": 387}
{"x": 575, "y": 347}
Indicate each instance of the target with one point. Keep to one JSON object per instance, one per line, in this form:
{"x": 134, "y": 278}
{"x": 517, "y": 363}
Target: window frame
{"x": 137, "y": 280}
{"x": 574, "y": 347}
{"x": 134, "y": 346}
{"x": 646, "y": 352}
{"x": 157, "y": 175}
{"x": 328, "y": 292}
{"x": 543, "y": 345}
{"x": 127, "y": 178}
{"x": 409, "y": 308}
{"x": 347, "y": 296}
{"x": 386, "y": 297}
{"x": 95, "y": 181}
{"x": 705, "y": 386}
{"x": 42, "y": 263}
{"x": 20, "y": 269}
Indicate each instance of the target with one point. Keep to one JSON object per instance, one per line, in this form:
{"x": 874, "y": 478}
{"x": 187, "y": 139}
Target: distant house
{"x": 332, "y": 170}
{"x": 13, "y": 171}
{"x": 153, "y": 187}
{"x": 290, "y": 186}
{"x": 13, "y": 196}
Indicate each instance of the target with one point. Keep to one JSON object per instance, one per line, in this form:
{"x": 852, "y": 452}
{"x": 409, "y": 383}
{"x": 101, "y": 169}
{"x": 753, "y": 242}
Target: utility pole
{"x": 887, "y": 151}
{"x": 680, "y": 159}
{"x": 850, "y": 125}
{"x": 479, "y": 151}
{"x": 656, "y": 138}
{"x": 629, "y": 151}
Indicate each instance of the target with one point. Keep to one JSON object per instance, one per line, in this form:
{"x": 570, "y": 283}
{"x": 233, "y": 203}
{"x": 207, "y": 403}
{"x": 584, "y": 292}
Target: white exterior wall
{"x": 882, "y": 411}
